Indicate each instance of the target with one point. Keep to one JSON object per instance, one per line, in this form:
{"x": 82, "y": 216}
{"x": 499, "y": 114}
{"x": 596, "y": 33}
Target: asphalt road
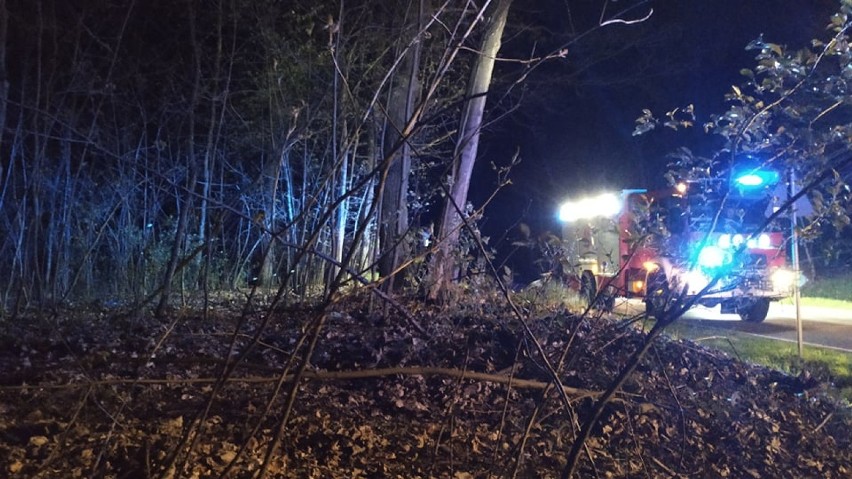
{"x": 821, "y": 326}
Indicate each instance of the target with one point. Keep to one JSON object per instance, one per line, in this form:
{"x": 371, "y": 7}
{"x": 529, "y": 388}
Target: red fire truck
{"x": 670, "y": 245}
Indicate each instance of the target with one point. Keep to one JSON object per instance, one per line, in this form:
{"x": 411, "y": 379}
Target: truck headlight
{"x": 783, "y": 279}
{"x": 696, "y": 281}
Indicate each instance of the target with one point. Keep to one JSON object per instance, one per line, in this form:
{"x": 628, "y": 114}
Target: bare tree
{"x": 4, "y": 76}
{"x": 402, "y": 101}
{"x": 467, "y": 143}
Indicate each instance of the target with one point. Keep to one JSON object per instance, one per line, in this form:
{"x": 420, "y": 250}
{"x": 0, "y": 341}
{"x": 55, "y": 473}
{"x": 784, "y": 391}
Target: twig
{"x": 824, "y": 421}
{"x": 789, "y": 93}
{"x": 449, "y": 413}
{"x": 67, "y": 430}
{"x": 673, "y": 391}
{"x": 664, "y": 467}
{"x": 412, "y": 321}
{"x": 521, "y": 317}
{"x": 615, "y": 387}
{"x": 730, "y": 343}
{"x": 628, "y": 22}
{"x": 504, "y": 413}
{"x": 520, "y": 458}
{"x": 514, "y": 382}
{"x": 312, "y": 336}
{"x": 629, "y": 421}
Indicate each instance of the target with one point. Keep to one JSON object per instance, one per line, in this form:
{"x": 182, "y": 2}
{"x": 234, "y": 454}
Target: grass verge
{"x": 825, "y": 364}
{"x": 836, "y": 287}
{"x": 830, "y": 292}
{"x": 821, "y": 302}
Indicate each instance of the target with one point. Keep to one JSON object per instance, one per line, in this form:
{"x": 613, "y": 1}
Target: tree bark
{"x": 192, "y": 177}
{"x": 4, "y": 78}
{"x": 394, "y": 207}
{"x": 444, "y": 262}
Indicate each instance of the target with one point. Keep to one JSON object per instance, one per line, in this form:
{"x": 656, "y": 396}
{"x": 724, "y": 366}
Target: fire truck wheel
{"x": 588, "y": 288}
{"x": 756, "y": 311}
{"x": 658, "y": 293}
{"x": 607, "y": 300}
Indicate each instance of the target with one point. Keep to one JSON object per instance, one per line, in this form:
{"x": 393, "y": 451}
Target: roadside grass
{"x": 837, "y": 287}
{"x": 821, "y": 302}
{"x": 833, "y": 292}
{"x": 822, "y": 363}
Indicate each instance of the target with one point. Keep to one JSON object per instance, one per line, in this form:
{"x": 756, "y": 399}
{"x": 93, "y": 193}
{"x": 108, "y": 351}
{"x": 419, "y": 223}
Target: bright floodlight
{"x": 603, "y": 205}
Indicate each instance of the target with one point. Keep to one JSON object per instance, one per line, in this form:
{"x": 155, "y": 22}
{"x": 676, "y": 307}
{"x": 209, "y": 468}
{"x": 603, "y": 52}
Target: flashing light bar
{"x": 763, "y": 241}
{"x": 603, "y": 205}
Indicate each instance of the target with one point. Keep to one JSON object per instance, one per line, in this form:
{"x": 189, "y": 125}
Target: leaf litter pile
{"x": 91, "y": 394}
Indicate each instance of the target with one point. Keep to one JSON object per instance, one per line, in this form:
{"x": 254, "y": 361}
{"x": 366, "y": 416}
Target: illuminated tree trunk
{"x": 444, "y": 263}
{"x": 340, "y": 153}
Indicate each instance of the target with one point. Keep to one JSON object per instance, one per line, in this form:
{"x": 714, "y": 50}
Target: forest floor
{"x": 90, "y": 393}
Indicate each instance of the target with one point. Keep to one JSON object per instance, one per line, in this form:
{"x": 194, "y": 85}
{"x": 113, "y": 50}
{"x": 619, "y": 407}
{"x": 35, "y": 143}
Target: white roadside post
{"x": 794, "y": 257}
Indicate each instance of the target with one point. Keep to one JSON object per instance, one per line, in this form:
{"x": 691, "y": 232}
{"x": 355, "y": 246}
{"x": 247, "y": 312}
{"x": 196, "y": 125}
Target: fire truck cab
{"x": 691, "y": 242}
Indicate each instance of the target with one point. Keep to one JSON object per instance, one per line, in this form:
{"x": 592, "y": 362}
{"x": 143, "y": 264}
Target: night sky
{"x": 578, "y": 139}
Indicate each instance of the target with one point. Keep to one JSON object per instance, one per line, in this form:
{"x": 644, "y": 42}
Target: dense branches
{"x": 138, "y": 133}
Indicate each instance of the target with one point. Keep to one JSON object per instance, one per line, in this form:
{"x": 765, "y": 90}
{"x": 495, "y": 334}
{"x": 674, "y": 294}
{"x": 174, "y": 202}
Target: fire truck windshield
{"x": 726, "y": 215}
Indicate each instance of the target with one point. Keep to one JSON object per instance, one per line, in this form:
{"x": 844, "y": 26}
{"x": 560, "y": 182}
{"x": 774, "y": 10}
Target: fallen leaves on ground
{"x": 92, "y": 394}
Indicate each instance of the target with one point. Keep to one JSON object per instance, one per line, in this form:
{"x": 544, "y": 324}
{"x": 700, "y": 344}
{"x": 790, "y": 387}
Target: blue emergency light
{"x": 751, "y": 176}
{"x": 756, "y": 178}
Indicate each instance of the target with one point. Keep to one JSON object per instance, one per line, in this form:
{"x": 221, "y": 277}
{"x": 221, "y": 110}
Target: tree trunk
{"x": 467, "y": 143}
{"x": 192, "y": 177}
{"x": 394, "y": 207}
{"x": 177, "y": 248}
{"x": 4, "y": 79}
{"x": 341, "y": 157}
